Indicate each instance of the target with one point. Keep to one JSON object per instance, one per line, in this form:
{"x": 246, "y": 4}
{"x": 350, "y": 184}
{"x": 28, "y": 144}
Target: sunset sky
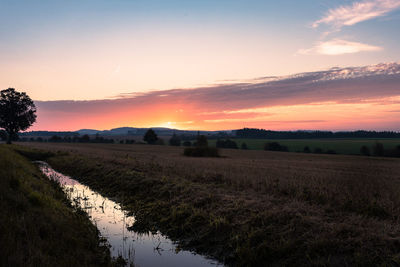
{"x": 205, "y": 64}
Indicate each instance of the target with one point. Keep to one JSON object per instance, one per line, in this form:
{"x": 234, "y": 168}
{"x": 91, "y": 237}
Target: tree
{"x": 175, "y": 140}
{"x": 150, "y": 137}
{"x": 17, "y": 112}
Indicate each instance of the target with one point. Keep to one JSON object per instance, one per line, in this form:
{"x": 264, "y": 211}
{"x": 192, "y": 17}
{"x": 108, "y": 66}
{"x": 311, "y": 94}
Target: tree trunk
{"x": 8, "y": 138}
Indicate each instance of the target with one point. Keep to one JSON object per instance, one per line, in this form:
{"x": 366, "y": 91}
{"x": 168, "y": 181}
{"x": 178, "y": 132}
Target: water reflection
{"x": 112, "y": 222}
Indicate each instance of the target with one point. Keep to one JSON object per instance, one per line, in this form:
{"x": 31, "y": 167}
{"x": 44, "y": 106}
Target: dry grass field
{"x": 252, "y": 207}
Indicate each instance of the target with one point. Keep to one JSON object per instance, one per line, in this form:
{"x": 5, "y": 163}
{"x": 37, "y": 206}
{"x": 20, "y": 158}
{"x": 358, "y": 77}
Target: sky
{"x": 103, "y": 64}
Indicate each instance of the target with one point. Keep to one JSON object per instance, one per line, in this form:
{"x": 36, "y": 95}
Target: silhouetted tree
{"x": 17, "y": 112}
{"x": 244, "y": 146}
{"x": 175, "y": 140}
{"x": 364, "y": 150}
{"x": 150, "y": 137}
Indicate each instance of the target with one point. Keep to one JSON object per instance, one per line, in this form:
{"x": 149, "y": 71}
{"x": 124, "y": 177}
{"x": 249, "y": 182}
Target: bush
{"x": 187, "y": 143}
{"x": 226, "y": 144}
{"x": 330, "y": 151}
{"x": 318, "y": 150}
{"x": 394, "y": 152}
{"x": 160, "y": 142}
{"x": 378, "y": 149}
{"x": 275, "y": 146}
{"x": 306, "y": 149}
{"x": 364, "y": 150}
{"x": 244, "y": 146}
{"x": 203, "y": 151}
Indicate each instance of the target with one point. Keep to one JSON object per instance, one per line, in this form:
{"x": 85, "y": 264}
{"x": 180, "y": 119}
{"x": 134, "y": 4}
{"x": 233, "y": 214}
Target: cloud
{"x": 357, "y": 12}
{"x": 339, "y": 47}
{"x": 289, "y": 98}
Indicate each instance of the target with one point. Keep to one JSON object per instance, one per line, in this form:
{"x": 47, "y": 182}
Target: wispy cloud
{"x": 357, "y": 12}
{"x": 339, "y": 47}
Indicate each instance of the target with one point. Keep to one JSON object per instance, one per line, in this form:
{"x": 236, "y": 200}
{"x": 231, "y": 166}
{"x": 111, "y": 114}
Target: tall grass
{"x": 38, "y": 226}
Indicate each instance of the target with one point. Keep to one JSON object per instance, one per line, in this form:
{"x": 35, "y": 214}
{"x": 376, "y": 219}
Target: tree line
{"x": 268, "y": 134}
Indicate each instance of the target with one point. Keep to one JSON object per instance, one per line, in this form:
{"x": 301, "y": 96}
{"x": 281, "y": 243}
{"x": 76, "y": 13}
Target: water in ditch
{"x": 112, "y": 221}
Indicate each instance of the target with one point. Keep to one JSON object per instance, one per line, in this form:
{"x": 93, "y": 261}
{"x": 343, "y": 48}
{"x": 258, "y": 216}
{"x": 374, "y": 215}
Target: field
{"x": 340, "y": 146}
{"x": 38, "y": 225}
{"x": 249, "y": 208}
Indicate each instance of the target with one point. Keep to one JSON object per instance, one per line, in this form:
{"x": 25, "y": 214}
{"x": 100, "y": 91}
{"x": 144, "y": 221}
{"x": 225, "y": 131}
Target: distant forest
{"x": 268, "y": 134}
{"x": 248, "y": 133}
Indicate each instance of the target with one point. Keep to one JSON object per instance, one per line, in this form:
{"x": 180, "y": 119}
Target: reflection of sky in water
{"x": 112, "y": 223}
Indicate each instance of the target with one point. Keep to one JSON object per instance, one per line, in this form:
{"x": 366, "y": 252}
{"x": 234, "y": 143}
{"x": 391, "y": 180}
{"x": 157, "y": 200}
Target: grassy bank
{"x": 251, "y": 208}
{"x": 38, "y": 226}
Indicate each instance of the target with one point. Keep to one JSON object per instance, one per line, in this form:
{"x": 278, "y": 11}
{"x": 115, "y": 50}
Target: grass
{"x": 38, "y": 225}
{"x": 341, "y": 146}
{"x": 251, "y": 208}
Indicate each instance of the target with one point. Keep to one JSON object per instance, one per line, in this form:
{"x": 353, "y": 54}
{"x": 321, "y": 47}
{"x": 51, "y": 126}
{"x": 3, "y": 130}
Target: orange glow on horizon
{"x": 377, "y": 113}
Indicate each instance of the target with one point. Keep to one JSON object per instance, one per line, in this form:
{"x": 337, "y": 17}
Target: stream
{"x": 143, "y": 250}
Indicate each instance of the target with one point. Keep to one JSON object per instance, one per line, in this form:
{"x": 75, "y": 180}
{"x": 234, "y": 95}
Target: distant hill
{"x": 123, "y": 131}
{"x": 87, "y": 131}
{"x": 241, "y": 133}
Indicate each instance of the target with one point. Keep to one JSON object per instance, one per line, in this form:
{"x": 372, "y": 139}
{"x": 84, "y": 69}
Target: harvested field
{"x": 251, "y": 207}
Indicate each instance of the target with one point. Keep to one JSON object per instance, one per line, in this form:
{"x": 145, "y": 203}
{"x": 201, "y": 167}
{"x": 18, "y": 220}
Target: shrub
{"x": 330, "y": 151}
{"x": 275, "y": 146}
{"x": 187, "y": 143}
{"x": 201, "y": 151}
{"x": 394, "y": 152}
{"x": 306, "y": 149}
{"x": 244, "y": 146}
{"x": 378, "y": 149}
{"x": 160, "y": 142}
{"x": 318, "y": 150}
{"x": 364, "y": 150}
{"x": 226, "y": 144}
